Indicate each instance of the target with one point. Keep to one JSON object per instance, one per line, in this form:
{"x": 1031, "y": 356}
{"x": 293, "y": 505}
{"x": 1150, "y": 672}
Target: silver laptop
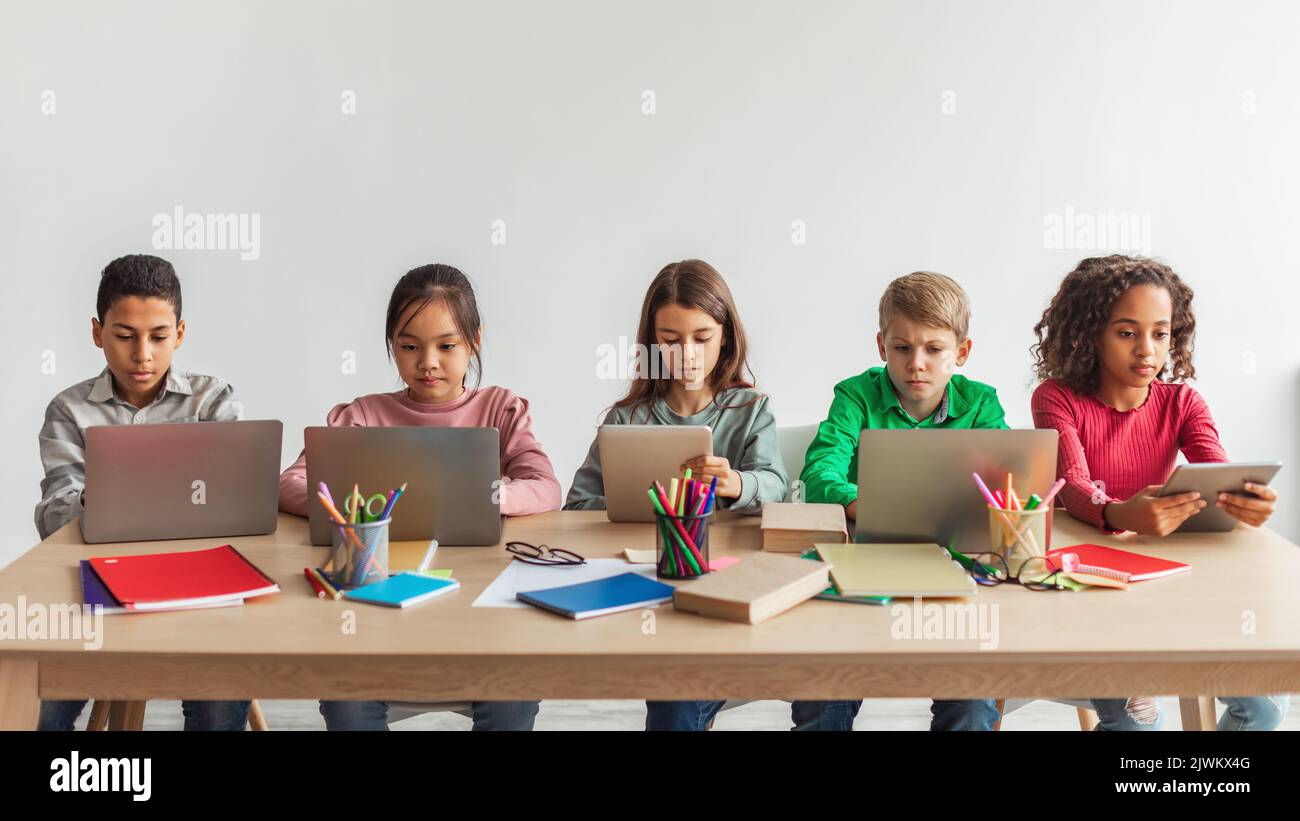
{"x": 916, "y": 485}
{"x": 633, "y": 456}
{"x": 452, "y": 477}
{"x": 181, "y": 480}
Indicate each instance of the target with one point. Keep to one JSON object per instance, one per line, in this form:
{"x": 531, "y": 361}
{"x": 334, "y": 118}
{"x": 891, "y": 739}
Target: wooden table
{"x": 1231, "y": 626}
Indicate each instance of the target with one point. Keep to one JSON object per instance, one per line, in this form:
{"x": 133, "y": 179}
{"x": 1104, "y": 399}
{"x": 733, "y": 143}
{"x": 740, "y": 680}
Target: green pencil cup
{"x": 360, "y": 554}
{"x": 681, "y": 546}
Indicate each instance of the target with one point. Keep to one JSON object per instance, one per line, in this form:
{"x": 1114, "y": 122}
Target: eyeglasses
{"x": 543, "y": 555}
{"x": 1034, "y": 573}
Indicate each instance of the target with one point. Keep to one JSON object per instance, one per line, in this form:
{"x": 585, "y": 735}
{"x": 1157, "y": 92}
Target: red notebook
{"x": 191, "y": 578}
{"x": 1121, "y": 564}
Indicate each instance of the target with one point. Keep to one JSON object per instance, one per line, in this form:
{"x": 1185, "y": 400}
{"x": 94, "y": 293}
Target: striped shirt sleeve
{"x": 63, "y": 456}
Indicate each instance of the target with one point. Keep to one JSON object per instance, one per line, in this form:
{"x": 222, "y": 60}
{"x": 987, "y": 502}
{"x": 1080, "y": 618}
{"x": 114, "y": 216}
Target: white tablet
{"x": 633, "y": 456}
{"x": 1210, "y": 479}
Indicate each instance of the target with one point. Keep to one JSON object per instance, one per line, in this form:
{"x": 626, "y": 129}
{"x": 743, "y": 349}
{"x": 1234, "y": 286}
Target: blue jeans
{"x": 978, "y": 714}
{"x": 199, "y": 715}
{"x": 1244, "y": 713}
{"x": 1253, "y": 712}
{"x": 696, "y": 715}
{"x": 373, "y": 715}
{"x": 1114, "y": 714}
{"x": 820, "y": 715}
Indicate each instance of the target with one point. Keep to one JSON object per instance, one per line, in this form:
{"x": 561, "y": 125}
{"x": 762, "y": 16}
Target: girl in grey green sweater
{"x": 691, "y": 370}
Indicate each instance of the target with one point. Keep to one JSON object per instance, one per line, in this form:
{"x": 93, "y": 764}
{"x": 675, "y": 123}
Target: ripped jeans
{"x": 1136, "y": 713}
{"x": 1143, "y": 713}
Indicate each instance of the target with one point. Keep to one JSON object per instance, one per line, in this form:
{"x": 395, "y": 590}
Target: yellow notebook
{"x": 896, "y": 570}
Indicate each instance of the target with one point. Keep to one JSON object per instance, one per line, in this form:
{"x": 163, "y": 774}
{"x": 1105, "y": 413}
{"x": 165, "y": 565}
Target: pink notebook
{"x": 1121, "y": 564}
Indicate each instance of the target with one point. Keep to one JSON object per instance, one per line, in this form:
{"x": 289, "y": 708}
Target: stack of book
{"x": 793, "y": 527}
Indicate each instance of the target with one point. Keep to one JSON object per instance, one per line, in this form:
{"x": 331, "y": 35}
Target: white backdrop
{"x": 609, "y": 139}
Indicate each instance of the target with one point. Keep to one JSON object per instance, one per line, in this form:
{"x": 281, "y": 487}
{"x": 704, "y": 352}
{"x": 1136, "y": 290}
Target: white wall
{"x": 831, "y": 112}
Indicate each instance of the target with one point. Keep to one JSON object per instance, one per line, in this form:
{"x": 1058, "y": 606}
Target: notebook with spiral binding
{"x": 1111, "y": 562}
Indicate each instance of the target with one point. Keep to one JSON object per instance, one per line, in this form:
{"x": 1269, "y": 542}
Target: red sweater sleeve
{"x": 1198, "y": 438}
{"x": 1054, "y": 406}
{"x": 293, "y": 481}
{"x": 530, "y": 486}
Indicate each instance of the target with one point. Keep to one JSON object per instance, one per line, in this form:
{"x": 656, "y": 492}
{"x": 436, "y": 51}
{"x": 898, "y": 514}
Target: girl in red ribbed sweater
{"x": 1114, "y": 348}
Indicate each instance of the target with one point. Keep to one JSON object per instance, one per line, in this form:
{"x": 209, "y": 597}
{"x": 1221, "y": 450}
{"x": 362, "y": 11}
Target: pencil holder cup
{"x": 1019, "y": 534}
{"x": 681, "y": 546}
{"x": 360, "y": 554}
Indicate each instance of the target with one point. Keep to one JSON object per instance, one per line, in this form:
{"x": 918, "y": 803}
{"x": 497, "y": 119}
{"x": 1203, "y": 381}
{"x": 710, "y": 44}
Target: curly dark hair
{"x": 138, "y": 275}
{"x": 1069, "y": 331}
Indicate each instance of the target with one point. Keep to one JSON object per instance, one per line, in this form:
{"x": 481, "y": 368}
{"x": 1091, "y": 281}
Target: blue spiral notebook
{"x": 626, "y": 591}
{"x": 402, "y": 590}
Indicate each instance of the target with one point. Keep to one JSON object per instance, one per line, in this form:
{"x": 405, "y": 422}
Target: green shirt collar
{"x": 954, "y": 405}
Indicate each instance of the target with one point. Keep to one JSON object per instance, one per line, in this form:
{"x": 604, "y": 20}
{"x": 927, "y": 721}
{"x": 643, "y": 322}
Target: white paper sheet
{"x": 526, "y": 577}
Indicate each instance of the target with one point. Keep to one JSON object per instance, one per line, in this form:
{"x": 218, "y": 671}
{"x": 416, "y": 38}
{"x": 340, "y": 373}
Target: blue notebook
{"x": 402, "y": 590}
{"x": 94, "y": 592}
{"x": 626, "y": 591}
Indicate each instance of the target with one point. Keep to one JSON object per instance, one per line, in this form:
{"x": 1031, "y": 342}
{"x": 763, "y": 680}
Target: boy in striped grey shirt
{"x": 139, "y": 327}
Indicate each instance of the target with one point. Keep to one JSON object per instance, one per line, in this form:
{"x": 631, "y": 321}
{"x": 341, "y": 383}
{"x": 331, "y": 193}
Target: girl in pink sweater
{"x": 434, "y": 336}
{"x": 1114, "y": 350}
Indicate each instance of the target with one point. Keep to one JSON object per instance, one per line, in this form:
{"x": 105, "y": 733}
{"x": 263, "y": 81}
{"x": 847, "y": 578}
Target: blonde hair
{"x": 931, "y": 299}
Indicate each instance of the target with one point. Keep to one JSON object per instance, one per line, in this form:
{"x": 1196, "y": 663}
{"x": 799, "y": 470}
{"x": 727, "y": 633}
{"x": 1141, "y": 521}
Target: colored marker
{"x": 1051, "y": 494}
{"x": 984, "y": 490}
{"x": 315, "y": 585}
{"x": 325, "y": 583}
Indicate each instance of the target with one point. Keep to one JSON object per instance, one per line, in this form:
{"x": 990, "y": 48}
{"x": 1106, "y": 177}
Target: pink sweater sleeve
{"x": 1054, "y": 407}
{"x": 530, "y": 485}
{"x": 293, "y": 481}
{"x": 1198, "y": 438}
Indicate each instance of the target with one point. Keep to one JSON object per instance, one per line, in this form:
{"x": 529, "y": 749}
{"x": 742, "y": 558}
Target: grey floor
{"x": 876, "y": 714}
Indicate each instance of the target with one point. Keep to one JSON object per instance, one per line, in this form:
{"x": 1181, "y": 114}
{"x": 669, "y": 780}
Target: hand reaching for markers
{"x": 704, "y": 468}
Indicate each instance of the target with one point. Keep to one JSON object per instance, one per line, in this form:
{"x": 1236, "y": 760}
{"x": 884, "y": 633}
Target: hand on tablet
{"x": 1253, "y": 510}
{"x": 1153, "y": 515}
{"x": 705, "y": 468}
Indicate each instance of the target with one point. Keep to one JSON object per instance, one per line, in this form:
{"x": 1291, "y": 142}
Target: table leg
{"x": 1198, "y": 712}
{"x": 98, "y": 716}
{"x": 20, "y": 702}
{"x": 126, "y": 715}
{"x": 256, "y": 720}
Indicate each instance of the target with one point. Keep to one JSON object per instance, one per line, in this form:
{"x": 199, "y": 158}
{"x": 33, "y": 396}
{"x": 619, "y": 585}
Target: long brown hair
{"x": 1069, "y": 332}
{"x": 437, "y": 283}
{"x": 696, "y": 284}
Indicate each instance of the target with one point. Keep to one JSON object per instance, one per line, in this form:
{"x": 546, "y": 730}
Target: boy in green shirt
{"x": 924, "y": 320}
